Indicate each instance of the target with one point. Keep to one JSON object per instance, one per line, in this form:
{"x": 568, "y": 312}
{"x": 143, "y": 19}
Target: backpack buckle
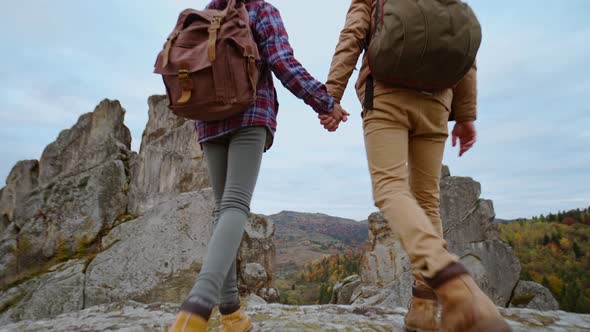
{"x": 186, "y": 84}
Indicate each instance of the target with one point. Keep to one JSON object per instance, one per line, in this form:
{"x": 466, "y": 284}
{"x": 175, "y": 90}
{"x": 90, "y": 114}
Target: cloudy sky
{"x": 60, "y": 58}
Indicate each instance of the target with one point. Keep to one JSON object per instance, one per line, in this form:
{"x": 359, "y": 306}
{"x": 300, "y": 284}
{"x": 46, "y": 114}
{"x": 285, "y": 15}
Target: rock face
{"x": 169, "y": 162}
{"x": 74, "y": 206}
{"x": 155, "y": 257}
{"x": 470, "y": 233}
{"x": 133, "y": 316}
{"x": 52, "y": 209}
{"x": 531, "y": 295}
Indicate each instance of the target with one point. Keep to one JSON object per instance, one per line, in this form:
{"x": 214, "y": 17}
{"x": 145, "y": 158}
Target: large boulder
{"x": 528, "y": 294}
{"x": 169, "y": 162}
{"x": 469, "y": 229}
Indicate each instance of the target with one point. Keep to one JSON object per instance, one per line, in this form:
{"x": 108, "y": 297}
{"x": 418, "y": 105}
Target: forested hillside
{"x": 554, "y": 250}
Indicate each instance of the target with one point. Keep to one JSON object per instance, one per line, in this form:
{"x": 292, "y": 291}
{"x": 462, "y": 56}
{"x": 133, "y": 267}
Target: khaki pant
{"x": 405, "y": 136}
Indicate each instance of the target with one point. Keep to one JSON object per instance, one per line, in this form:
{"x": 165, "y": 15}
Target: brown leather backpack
{"x": 209, "y": 63}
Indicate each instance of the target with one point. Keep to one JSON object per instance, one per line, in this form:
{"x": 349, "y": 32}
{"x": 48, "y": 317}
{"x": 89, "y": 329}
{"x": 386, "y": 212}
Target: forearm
{"x": 465, "y": 97}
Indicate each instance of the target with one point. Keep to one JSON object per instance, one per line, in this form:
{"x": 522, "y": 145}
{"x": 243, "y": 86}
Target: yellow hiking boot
{"x": 188, "y": 322}
{"x": 236, "y": 322}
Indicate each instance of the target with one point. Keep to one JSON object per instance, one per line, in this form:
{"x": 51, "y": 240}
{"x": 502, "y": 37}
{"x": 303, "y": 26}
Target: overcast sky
{"x": 60, "y": 58}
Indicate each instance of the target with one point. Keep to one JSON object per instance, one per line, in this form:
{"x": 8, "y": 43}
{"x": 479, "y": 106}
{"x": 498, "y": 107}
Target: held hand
{"x": 332, "y": 120}
{"x": 467, "y": 135}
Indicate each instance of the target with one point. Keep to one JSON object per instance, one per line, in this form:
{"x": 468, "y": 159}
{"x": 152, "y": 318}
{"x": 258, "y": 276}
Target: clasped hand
{"x": 332, "y": 120}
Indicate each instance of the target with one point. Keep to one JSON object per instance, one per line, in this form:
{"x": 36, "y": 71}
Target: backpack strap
{"x": 215, "y": 26}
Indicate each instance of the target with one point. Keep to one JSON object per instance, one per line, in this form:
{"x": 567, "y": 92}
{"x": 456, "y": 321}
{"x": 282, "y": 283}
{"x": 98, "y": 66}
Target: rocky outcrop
{"x": 133, "y": 316}
{"x": 385, "y": 268}
{"x": 56, "y": 208}
{"x": 96, "y": 138}
{"x": 256, "y": 258}
{"x": 75, "y": 204}
{"x": 169, "y": 162}
{"x": 528, "y": 294}
{"x": 470, "y": 233}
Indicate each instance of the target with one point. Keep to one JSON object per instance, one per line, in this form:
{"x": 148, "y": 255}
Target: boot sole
{"x": 493, "y": 325}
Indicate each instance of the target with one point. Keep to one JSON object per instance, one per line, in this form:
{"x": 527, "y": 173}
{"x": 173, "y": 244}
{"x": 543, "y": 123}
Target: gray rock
{"x": 257, "y": 247}
{"x": 478, "y": 225}
{"x": 469, "y": 229}
{"x": 8, "y": 255}
{"x": 254, "y": 275}
{"x": 253, "y": 300}
{"x": 96, "y": 138}
{"x": 494, "y": 267}
{"x": 528, "y": 294}
{"x": 170, "y": 160}
{"x": 21, "y": 180}
{"x": 342, "y": 292}
{"x": 445, "y": 172}
{"x": 63, "y": 218}
{"x": 385, "y": 268}
{"x": 155, "y": 257}
{"x": 133, "y": 316}
{"x": 61, "y": 205}
{"x": 270, "y": 295}
{"x": 459, "y": 195}
{"x": 61, "y": 290}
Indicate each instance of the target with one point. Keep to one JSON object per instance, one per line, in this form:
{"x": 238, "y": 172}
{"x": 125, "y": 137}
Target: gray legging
{"x": 234, "y": 162}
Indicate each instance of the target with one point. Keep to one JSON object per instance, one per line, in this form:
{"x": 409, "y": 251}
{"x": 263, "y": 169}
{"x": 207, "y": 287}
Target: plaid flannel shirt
{"x": 277, "y": 56}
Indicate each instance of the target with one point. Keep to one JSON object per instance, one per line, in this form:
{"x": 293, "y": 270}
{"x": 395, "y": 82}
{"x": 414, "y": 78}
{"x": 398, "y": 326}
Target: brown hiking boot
{"x": 422, "y": 314}
{"x": 236, "y": 322}
{"x": 465, "y": 308}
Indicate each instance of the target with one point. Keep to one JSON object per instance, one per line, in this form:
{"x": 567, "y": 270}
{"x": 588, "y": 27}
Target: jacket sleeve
{"x": 464, "y": 105}
{"x": 278, "y": 53}
{"x": 350, "y": 46}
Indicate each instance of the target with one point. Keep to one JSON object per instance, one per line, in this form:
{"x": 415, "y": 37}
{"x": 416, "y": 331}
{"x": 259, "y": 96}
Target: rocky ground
{"x": 133, "y": 316}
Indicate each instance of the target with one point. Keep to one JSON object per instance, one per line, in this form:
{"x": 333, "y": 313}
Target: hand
{"x": 332, "y": 120}
{"x": 467, "y": 135}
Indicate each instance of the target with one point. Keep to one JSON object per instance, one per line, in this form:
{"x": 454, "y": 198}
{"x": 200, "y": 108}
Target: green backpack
{"x": 423, "y": 44}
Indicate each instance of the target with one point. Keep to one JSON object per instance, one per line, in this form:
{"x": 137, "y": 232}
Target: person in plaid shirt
{"x": 273, "y": 43}
{"x": 233, "y": 148}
